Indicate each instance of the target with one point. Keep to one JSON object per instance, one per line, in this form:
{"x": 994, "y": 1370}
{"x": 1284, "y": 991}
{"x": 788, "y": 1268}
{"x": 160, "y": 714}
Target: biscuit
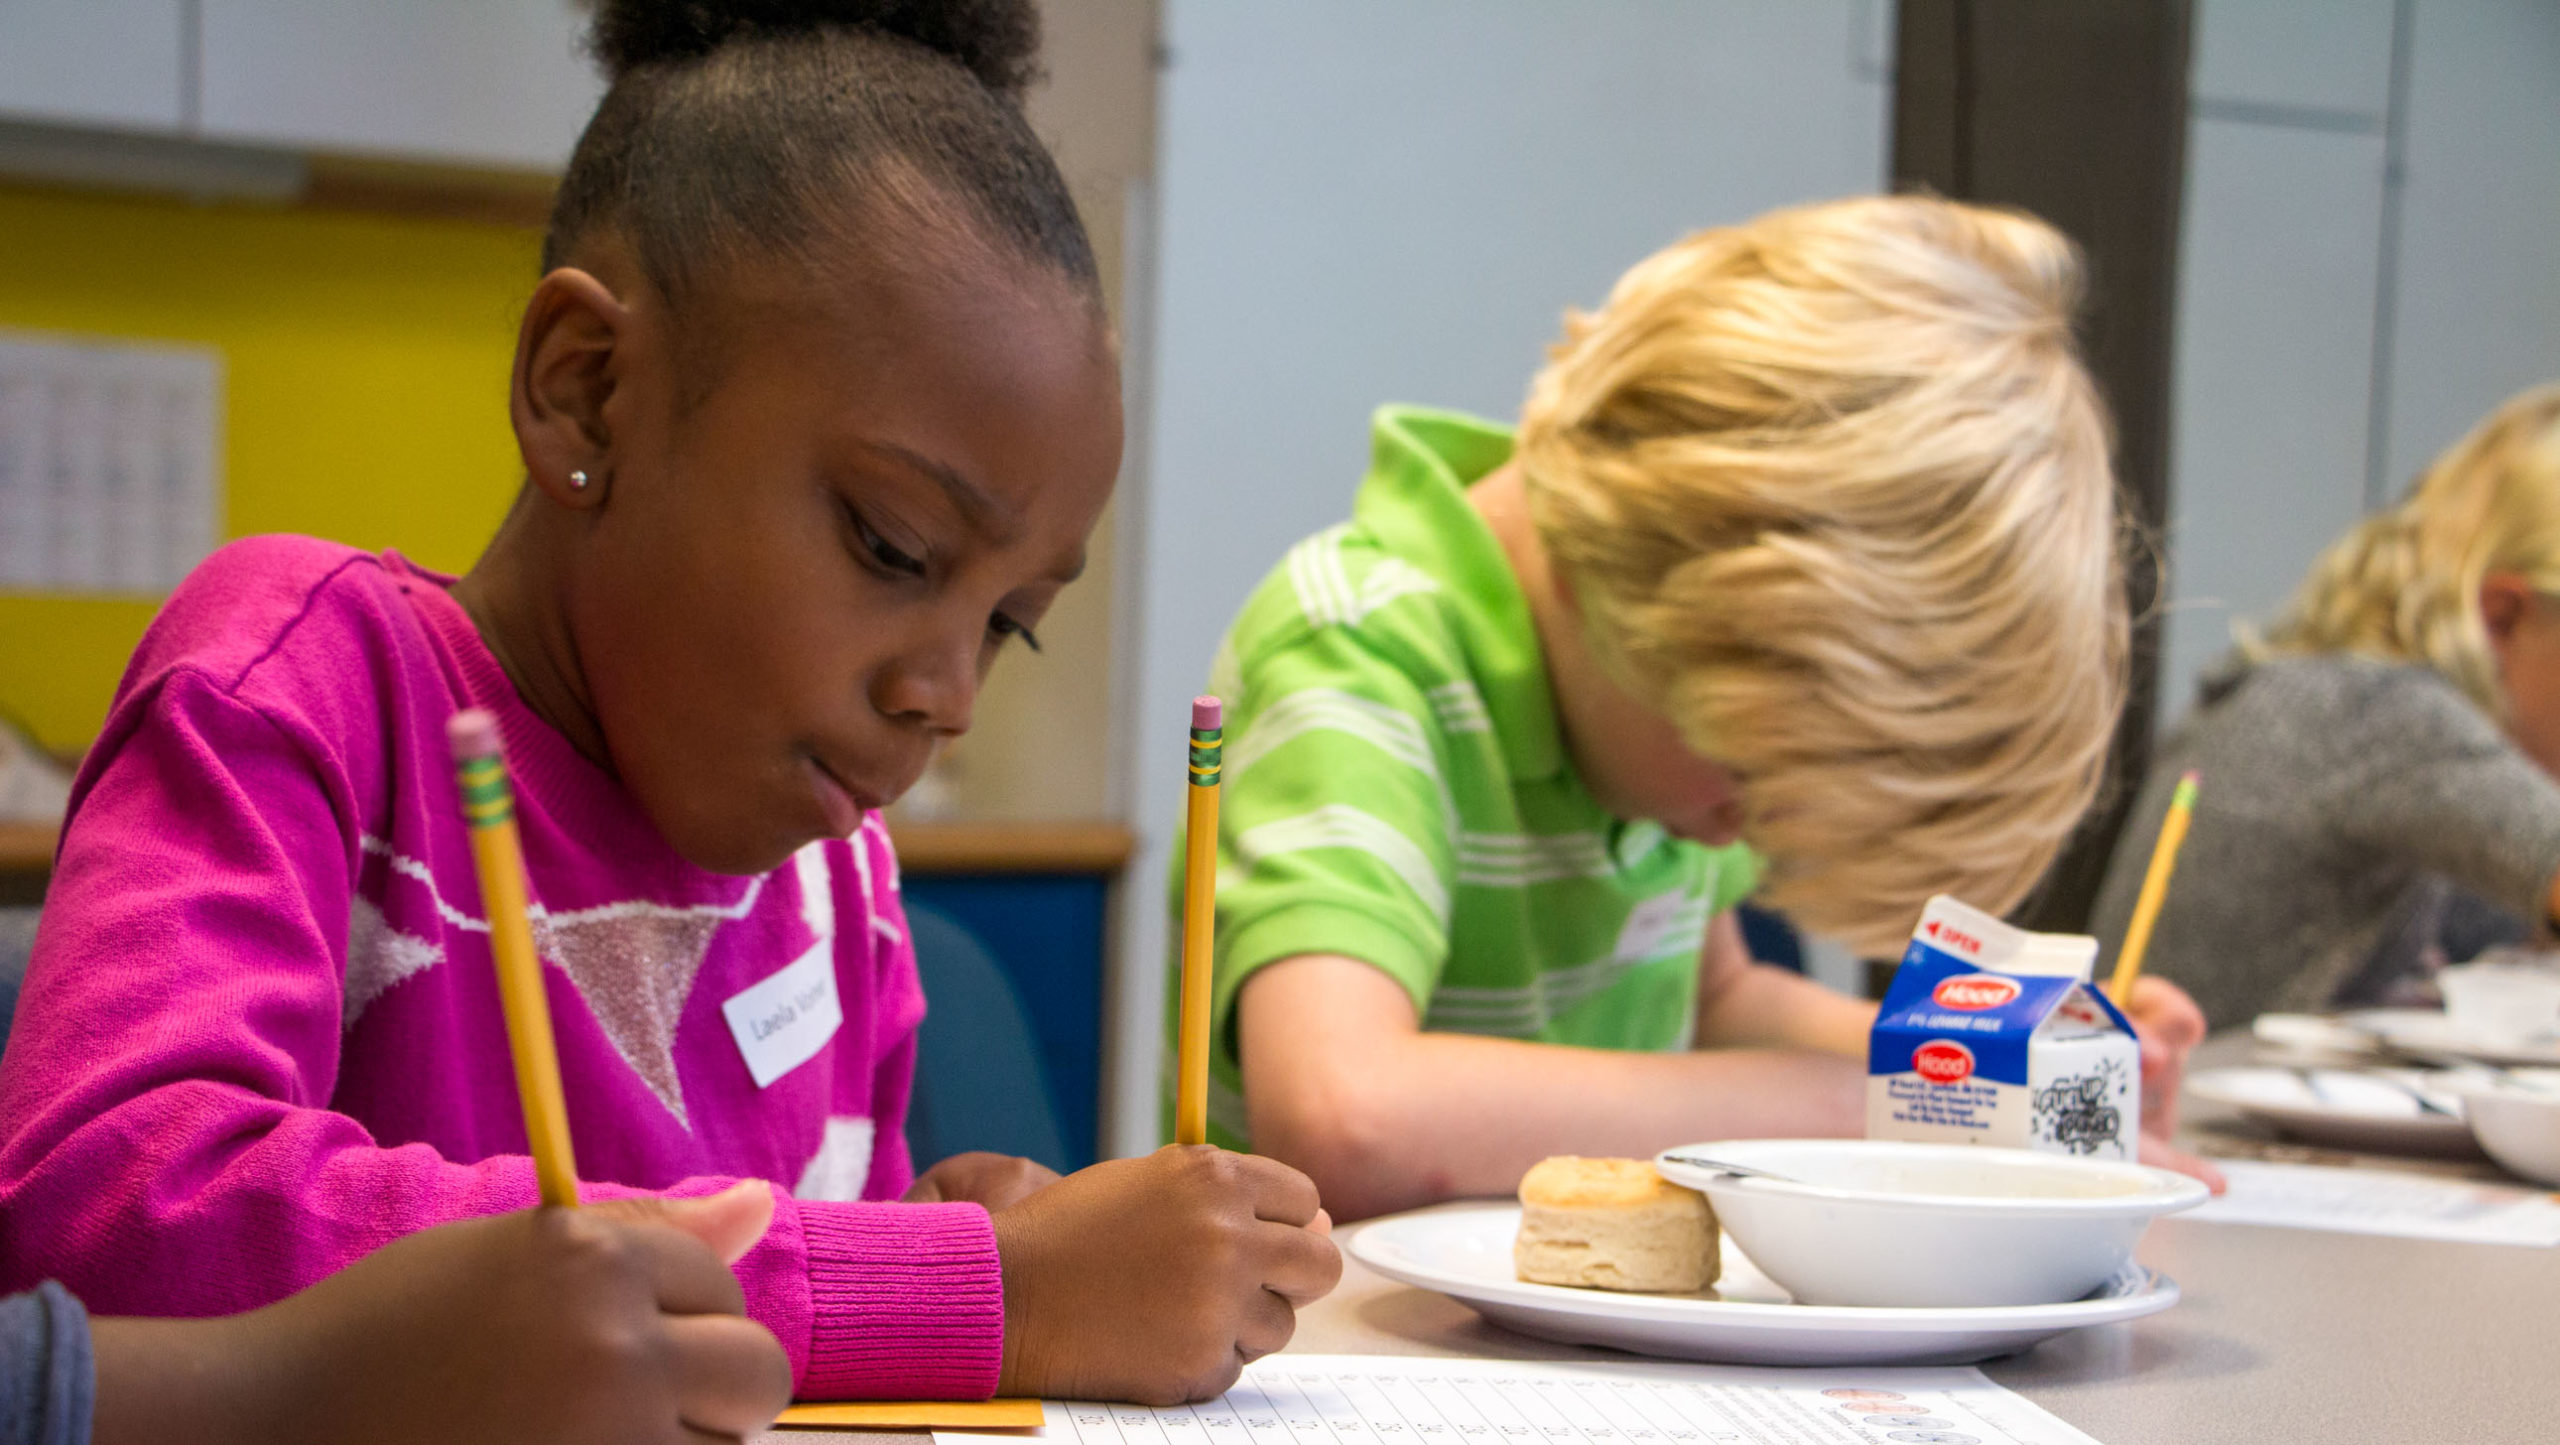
{"x": 1613, "y": 1224}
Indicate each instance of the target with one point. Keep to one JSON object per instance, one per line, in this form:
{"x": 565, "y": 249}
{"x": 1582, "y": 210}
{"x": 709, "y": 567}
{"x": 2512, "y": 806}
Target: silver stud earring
{"x": 577, "y": 481}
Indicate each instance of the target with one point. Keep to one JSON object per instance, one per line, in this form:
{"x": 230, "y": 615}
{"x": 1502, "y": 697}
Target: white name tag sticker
{"x": 781, "y": 1022}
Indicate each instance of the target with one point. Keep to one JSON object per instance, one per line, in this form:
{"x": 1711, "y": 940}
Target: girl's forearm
{"x": 209, "y": 1380}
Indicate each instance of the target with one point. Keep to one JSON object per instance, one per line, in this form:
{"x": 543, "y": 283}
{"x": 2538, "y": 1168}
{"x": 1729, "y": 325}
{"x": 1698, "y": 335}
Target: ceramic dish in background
{"x": 1464, "y": 1252}
{"x": 2383, "y": 1110}
{"x": 2434, "y": 1034}
{"x": 1870, "y": 1222}
{"x": 2516, "y": 1116}
{"x": 2511, "y": 994}
{"x": 2312, "y": 1039}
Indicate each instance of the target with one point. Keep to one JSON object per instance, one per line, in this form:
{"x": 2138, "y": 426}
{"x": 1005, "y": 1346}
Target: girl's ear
{"x": 2505, "y": 598}
{"x": 570, "y": 355}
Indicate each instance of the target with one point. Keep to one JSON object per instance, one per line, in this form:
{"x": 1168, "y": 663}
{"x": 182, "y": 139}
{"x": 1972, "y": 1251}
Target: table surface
{"x": 2281, "y": 1334}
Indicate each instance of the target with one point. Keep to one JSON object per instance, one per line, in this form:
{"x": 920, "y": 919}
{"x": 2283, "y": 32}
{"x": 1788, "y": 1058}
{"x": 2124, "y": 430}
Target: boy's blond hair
{"x": 1832, "y": 492}
{"x": 2405, "y": 584}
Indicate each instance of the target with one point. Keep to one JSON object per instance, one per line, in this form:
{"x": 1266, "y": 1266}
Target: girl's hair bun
{"x": 998, "y": 41}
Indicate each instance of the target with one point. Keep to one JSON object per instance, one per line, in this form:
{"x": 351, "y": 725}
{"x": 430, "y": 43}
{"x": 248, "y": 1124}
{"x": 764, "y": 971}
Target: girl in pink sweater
{"x": 817, "y": 407}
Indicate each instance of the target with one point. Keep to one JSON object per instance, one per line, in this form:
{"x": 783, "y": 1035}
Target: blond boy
{"x": 1807, "y": 538}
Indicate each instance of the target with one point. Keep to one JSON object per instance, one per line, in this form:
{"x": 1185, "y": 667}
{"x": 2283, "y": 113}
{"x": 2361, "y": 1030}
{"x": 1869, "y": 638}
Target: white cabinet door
{"x": 469, "y": 82}
{"x": 92, "y": 62}
{"x": 2276, "y": 279}
{"x": 2294, "y": 61}
{"x": 2478, "y": 313}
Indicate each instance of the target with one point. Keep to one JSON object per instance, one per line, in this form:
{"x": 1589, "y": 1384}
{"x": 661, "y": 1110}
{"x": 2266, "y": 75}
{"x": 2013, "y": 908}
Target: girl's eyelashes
{"x": 883, "y": 553}
{"x": 1002, "y": 627}
{"x": 888, "y": 557}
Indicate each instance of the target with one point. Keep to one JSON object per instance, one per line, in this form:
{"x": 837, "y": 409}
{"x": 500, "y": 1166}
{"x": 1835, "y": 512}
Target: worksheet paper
{"x": 1393, "y": 1400}
{"x": 2375, "y": 1201}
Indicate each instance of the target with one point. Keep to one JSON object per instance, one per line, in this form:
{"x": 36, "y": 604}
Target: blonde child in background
{"x": 817, "y": 406}
{"x": 2382, "y": 760}
{"x": 1799, "y": 579}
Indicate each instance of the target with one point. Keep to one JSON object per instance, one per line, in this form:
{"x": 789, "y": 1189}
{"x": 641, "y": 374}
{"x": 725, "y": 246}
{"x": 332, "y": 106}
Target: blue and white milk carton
{"x": 1993, "y": 1035}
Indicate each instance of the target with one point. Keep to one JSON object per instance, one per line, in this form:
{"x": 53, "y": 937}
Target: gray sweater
{"x": 2357, "y": 820}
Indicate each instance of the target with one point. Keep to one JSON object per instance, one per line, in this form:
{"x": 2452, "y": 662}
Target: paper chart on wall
{"x": 110, "y": 463}
{"x": 1388, "y": 1400}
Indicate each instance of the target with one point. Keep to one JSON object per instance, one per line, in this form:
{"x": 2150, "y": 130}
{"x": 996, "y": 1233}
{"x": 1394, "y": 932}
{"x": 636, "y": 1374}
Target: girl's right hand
{"x": 614, "y": 1324}
{"x": 1155, "y": 1279}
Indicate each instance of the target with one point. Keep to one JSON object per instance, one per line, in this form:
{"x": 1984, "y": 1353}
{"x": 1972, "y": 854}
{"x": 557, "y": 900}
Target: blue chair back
{"x": 17, "y": 941}
{"x": 979, "y": 1082}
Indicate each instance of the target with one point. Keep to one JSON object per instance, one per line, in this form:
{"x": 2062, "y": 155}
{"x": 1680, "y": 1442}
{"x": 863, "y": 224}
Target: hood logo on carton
{"x": 1942, "y": 1061}
{"x": 1973, "y": 992}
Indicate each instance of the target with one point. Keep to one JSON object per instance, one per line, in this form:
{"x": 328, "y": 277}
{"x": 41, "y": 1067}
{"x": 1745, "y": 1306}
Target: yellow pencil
{"x": 2155, "y": 890}
{"x": 1199, "y": 923}
{"x": 489, "y": 805}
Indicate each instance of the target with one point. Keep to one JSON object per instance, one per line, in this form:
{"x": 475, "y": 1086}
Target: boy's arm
{"x": 1341, "y": 1081}
{"x": 1745, "y": 1003}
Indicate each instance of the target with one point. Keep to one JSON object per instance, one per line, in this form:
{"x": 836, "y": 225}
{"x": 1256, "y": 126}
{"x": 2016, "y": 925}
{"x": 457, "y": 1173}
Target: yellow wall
{"x": 365, "y": 369}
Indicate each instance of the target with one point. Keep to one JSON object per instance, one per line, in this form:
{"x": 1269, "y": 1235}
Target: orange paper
{"x": 915, "y": 1415}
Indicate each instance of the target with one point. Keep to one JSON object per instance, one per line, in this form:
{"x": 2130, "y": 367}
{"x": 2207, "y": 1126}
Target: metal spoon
{"x": 1739, "y": 1171}
{"x": 2311, "y": 1080}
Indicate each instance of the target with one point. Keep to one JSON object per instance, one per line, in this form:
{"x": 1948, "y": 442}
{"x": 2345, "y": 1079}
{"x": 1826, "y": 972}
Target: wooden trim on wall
{"x": 388, "y": 188}
{"x": 26, "y": 849}
{"x": 1080, "y": 847}
{"x": 2078, "y": 113}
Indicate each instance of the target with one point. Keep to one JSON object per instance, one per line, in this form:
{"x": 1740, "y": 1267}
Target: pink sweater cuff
{"x": 908, "y": 1302}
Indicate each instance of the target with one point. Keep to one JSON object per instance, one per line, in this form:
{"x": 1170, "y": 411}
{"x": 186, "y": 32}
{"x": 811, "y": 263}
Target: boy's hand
{"x": 2159, "y": 1153}
{"x": 615, "y": 1323}
{"x": 996, "y": 1181}
{"x": 2169, "y": 1025}
{"x": 1156, "y": 1279}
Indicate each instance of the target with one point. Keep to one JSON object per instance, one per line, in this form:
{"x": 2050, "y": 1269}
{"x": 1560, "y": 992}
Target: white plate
{"x": 1465, "y": 1253}
{"x": 2433, "y": 1034}
{"x": 2345, "y": 1108}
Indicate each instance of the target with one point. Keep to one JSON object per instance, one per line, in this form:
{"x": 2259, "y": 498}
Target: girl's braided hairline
{"x": 759, "y": 127}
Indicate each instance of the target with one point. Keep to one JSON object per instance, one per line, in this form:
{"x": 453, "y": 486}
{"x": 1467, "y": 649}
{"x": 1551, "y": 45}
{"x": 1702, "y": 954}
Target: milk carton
{"x": 1993, "y": 1035}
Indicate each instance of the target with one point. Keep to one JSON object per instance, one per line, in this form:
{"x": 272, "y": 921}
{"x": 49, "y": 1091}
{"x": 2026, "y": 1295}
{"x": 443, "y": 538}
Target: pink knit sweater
{"x": 261, "y": 1034}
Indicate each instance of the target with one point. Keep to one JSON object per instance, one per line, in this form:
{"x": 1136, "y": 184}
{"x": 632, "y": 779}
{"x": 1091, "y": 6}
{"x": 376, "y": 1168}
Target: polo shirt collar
{"x": 1414, "y": 500}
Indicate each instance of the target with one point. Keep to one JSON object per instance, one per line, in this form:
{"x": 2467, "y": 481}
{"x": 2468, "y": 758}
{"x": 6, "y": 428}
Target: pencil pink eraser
{"x": 1208, "y": 712}
{"x": 473, "y": 733}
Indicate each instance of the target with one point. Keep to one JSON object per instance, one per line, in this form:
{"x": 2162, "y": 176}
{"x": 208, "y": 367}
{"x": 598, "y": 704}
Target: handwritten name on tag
{"x": 782, "y": 1021}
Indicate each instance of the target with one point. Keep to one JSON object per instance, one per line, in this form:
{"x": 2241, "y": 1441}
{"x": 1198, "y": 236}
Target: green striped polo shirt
{"x": 1397, "y": 788}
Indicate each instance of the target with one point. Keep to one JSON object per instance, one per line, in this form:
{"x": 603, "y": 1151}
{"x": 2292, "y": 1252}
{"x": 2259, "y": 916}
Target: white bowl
{"x": 2517, "y": 1119}
{"x": 2502, "y": 1000}
{"x": 1878, "y": 1222}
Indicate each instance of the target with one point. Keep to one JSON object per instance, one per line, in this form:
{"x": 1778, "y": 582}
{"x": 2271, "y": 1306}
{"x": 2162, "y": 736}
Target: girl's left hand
{"x": 994, "y": 1181}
